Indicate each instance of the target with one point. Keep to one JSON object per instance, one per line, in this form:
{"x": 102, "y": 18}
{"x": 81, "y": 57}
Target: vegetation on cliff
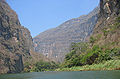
{"x": 101, "y": 52}
{"x": 90, "y": 55}
{"x": 55, "y": 42}
{"x": 106, "y": 65}
{"x": 15, "y": 41}
{"x": 94, "y": 55}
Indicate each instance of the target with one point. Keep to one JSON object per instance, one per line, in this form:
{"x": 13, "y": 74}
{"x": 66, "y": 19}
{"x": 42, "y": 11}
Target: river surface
{"x": 65, "y": 75}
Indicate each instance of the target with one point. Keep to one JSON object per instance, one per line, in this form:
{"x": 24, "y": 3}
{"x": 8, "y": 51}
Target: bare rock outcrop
{"x": 55, "y": 43}
{"x": 15, "y": 41}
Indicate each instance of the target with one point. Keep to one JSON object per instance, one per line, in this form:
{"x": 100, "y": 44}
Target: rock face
{"x": 15, "y": 41}
{"x": 109, "y": 10}
{"x": 55, "y": 43}
{"x": 108, "y": 24}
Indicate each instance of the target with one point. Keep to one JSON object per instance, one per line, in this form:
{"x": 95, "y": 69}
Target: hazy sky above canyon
{"x": 40, "y": 15}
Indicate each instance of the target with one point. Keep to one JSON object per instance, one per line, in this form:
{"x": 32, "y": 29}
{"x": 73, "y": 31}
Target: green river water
{"x": 65, "y": 75}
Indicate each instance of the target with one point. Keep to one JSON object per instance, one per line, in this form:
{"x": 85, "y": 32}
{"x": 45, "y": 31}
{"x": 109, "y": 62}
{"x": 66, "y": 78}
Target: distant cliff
{"x": 55, "y": 43}
{"x": 103, "y": 45}
{"x": 15, "y": 41}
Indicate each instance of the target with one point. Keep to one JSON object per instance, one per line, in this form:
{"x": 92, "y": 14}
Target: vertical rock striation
{"x": 108, "y": 25}
{"x": 15, "y": 41}
{"x": 55, "y": 43}
{"x": 109, "y": 10}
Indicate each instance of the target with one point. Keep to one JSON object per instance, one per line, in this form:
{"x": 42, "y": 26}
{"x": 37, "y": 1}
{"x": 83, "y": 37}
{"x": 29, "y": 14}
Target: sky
{"x": 41, "y": 15}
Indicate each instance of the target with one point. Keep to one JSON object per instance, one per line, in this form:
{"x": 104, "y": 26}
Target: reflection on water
{"x": 65, "y": 75}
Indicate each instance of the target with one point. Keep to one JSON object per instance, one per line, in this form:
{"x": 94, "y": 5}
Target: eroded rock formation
{"x": 15, "y": 41}
{"x": 55, "y": 43}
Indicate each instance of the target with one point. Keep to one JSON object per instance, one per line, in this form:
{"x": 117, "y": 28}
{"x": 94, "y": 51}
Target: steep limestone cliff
{"x": 103, "y": 45}
{"x": 108, "y": 24}
{"x": 109, "y": 10}
{"x": 15, "y": 41}
{"x": 55, "y": 43}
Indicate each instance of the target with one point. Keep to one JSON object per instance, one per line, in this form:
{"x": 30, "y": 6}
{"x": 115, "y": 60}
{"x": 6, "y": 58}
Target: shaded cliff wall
{"x": 15, "y": 41}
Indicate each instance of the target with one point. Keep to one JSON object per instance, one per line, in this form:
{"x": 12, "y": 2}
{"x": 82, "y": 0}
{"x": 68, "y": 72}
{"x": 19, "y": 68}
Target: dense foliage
{"x": 88, "y": 55}
{"x": 45, "y": 66}
{"x": 94, "y": 52}
{"x": 107, "y": 65}
{"x": 40, "y": 66}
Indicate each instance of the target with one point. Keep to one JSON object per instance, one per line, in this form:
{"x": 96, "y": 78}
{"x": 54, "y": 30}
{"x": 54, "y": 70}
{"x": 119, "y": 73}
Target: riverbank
{"x": 107, "y": 65}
